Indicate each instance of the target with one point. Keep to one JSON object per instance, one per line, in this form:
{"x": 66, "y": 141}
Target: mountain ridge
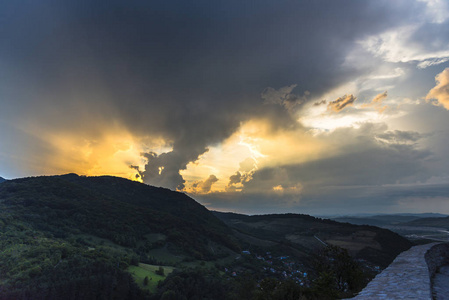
{"x": 376, "y": 245}
{"x": 56, "y": 231}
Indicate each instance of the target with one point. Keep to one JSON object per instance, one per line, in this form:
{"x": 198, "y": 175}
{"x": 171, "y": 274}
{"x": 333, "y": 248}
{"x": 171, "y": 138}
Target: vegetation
{"x": 63, "y": 238}
{"x": 339, "y": 276}
{"x": 301, "y": 234}
{"x": 148, "y": 276}
{"x": 38, "y": 266}
{"x": 72, "y": 237}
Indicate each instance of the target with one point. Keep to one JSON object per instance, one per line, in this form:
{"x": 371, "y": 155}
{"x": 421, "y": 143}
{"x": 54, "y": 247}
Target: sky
{"x": 318, "y": 107}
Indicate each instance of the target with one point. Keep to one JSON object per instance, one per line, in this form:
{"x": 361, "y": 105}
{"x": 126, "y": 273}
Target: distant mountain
{"x": 66, "y": 237}
{"x": 2, "y": 179}
{"x": 385, "y": 220}
{"x": 424, "y": 215}
{"x": 307, "y": 235}
{"x": 370, "y": 215}
{"x": 430, "y": 222}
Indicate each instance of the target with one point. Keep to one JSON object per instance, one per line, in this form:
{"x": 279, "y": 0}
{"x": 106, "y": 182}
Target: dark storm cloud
{"x": 206, "y": 185}
{"x": 187, "y": 72}
{"x": 366, "y": 161}
{"x": 236, "y": 178}
{"x": 284, "y": 97}
{"x": 336, "y": 199}
{"x": 400, "y": 137}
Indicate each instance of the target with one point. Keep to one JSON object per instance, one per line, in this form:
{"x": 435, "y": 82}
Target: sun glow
{"x": 321, "y": 119}
{"x": 111, "y": 153}
{"x": 256, "y": 141}
{"x": 111, "y": 150}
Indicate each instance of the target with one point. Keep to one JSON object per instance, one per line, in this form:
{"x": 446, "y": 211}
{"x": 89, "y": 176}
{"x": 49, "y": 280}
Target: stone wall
{"x": 436, "y": 257}
{"x": 407, "y": 277}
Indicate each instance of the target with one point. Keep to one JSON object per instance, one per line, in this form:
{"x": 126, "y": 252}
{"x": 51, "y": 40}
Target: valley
{"x": 419, "y": 228}
{"x": 73, "y": 236}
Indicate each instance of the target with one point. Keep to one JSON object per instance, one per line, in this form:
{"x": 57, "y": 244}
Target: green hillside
{"x": 71, "y": 235}
{"x": 76, "y": 237}
{"x": 308, "y": 234}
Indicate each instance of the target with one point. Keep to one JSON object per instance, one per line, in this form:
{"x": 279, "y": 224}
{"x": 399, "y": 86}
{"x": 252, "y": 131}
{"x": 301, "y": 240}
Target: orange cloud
{"x": 110, "y": 153}
{"x": 342, "y": 102}
{"x": 440, "y": 92}
{"x": 257, "y": 144}
{"x": 376, "y": 103}
{"x": 203, "y": 187}
{"x": 106, "y": 149}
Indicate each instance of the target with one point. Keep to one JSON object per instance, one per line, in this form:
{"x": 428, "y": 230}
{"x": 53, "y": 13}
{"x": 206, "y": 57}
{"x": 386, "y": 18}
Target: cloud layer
{"x": 275, "y": 105}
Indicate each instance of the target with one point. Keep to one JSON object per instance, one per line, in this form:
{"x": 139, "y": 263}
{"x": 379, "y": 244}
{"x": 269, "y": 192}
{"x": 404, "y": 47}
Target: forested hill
{"x": 164, "y": 201}
{"x": 77, "y": 237}
{"x": 308, "y": 234}
{"x": 46, "y": 224}
{"x": 2, "y": 179}
{"x": 114, "y": 208}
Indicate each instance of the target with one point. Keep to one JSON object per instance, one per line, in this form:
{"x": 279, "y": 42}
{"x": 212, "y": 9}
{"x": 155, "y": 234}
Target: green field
{"x": 143, "y": 270}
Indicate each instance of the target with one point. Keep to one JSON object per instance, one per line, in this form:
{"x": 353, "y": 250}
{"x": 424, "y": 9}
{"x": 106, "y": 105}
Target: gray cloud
{"x": 322, "y": 102}
{"x": 340, "y": 200}
{"x": 284, "y": 97}
{"x": 399, "y": 137}
{"x": 365, "y": 161}
{"x": 163, "y": 170}
{"x": 206, "y": 185}
{"x": 236, "y": 178}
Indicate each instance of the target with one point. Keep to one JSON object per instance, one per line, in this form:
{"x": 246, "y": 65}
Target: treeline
{"x": 336, "y": 276}
{"x": 63, "y": 208}
{"x": 55, "y": 243}
{"x": 51, "y": 233}
{"x": 35, "y": 266}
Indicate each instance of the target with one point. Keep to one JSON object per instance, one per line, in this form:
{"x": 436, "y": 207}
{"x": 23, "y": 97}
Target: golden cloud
{"x": 342, "y": 102}
{"x": 376, "y": 103}
{"x": 440, "y": 92}
{"x": 105, "y": 150}
{"x": 254, "y": 146}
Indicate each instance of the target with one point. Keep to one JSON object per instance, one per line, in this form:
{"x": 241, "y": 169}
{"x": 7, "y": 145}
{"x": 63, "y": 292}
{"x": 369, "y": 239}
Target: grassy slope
{"x": 145, "y": 270}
